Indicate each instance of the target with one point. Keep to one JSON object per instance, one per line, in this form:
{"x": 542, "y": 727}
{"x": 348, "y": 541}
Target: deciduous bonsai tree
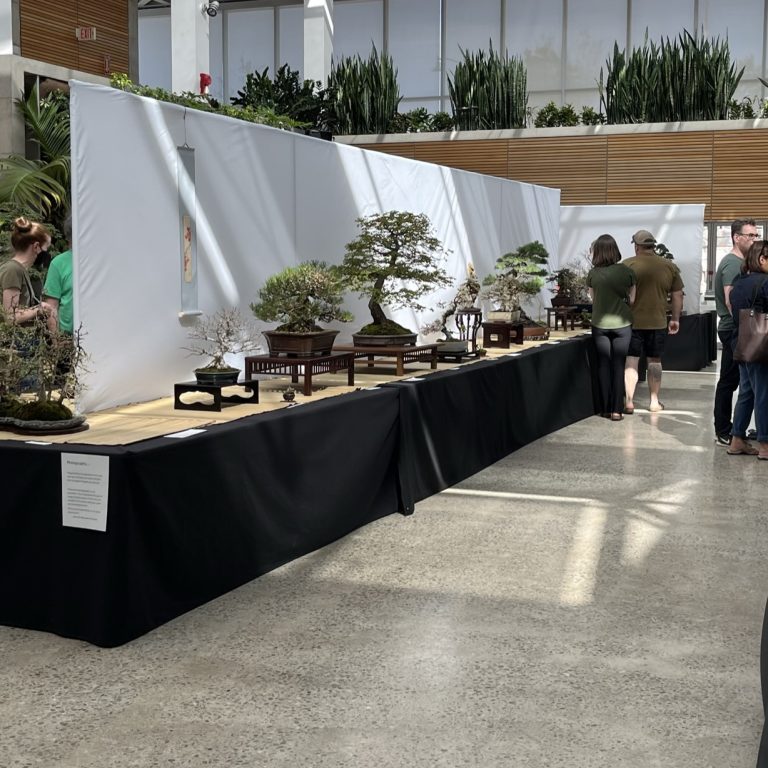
{"x": 394, "y": 261}
{"x": 300, "y": 297}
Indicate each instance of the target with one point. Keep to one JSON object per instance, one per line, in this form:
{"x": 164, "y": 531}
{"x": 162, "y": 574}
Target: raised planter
{"x": 309, "y": 344}
{"x": 391, "y": 340}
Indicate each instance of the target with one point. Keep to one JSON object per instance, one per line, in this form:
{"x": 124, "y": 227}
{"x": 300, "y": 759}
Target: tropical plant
{"x": 304, "y": 101}
{"x": 226, "y": 332}
{"x": 519, "y": 273}
{"x": 488, "y": 91}
{"x": 41, "y": 185}
{"x": 590, "y": 116}
{"x": 688, "y": 78}
{"x": 395, "y": 260}
{"x": 300, "y": 297}
{"x": 363, "y": 95}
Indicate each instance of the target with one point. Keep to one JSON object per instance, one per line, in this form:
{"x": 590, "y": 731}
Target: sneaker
{"x": 724, "y": 439}
{"x": 751, "y": 434}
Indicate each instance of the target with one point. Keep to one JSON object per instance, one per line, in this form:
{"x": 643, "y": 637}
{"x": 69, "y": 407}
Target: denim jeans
{"x": 753, "y": 393}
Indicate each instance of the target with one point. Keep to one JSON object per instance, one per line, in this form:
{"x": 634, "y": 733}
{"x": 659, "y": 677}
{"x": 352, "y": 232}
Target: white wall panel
{"x": 265, "y": 199}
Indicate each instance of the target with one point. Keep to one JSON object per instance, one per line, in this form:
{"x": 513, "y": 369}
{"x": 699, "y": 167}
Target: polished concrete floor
{"x": 593, "y": 600}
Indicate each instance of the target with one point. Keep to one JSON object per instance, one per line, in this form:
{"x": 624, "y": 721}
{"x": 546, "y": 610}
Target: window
{"x": 291, "y": 44}
{"x": 534, "y": 31}
{"x": 251, "y": 45}
{"x": 741, "y": 21}
{"x": 358, "y": 25}
{"x": 414, "y": 44}
{"x": 662, "y": 18}
{"x": 155, "y": 50}
{"x": 717, "y": 243}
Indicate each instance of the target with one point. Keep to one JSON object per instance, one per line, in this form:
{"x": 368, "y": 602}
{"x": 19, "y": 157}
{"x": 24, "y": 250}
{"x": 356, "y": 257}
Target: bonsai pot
{"x": 561, "y": 300}
{"x": 220, "y": 377}
{"x": 504, "y": 316}
{"x": 388, "y": 340}
{"x": 454, "y": 346}
{"x": 308, "y": 344}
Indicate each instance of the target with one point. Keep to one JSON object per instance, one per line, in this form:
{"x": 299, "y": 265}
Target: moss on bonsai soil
{"x": 9, "y": 407}
{"x": 43, "y": 411}
{"x": 387, "y": 328}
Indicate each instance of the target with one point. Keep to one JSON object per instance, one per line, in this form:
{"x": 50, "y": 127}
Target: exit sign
{"x": 85, "y": 33}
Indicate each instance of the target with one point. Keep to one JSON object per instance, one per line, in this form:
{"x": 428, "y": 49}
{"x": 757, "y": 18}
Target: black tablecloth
{"x": 762, "y": 757}
{"x": 189, "y": 519}
{"x": 455, "y": 423}
{"x": 694, "y": 346}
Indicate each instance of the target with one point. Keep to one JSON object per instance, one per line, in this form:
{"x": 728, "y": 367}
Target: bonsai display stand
{"x": 218, "y": 398}
{"x": 498, "y": 333}
{"x": 402, "y": 355}
{"x": 562, "y": 314}
{"x": 306, "y": 366}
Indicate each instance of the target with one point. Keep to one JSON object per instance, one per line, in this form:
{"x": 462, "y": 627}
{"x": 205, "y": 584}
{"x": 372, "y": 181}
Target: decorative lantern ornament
{"x": 205, "y": 81}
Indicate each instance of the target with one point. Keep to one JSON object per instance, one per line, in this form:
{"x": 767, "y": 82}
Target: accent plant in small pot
{"x": 394, "y": 261}
{"x": 226, "y": 332}
{"x": 519, "y": 274}
{"x": 299, "y": 298}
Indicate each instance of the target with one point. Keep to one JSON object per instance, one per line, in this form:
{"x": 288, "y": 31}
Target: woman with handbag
{"x": 749, "y": 307}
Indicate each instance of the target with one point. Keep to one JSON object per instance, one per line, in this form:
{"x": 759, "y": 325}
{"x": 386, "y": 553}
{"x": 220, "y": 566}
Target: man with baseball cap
{"x": 657, "y": 279}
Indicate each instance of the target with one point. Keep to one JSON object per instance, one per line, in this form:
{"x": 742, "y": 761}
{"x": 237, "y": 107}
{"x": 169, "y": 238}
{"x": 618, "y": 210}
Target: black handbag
{"x": 752, "y": 343}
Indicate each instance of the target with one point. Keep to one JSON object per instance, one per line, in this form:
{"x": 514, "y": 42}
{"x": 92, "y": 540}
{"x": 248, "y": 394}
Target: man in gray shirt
{"x": 743, "y": 234}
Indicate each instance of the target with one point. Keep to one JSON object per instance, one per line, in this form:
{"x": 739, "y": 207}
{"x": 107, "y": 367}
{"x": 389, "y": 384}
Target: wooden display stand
{"x": 402, "y": 355}
{"x": 302, "y": 366}
{"x": 499, "y": 333}
{"x": 562, "y": 314}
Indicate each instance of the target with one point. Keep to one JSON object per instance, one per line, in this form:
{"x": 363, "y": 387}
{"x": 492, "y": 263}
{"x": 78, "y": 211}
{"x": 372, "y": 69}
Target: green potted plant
{"x": 299, "y": 298}
{"x": 394, "y": 261}
{"x": 519, "y": 274}
{"x": 226, "y": 332}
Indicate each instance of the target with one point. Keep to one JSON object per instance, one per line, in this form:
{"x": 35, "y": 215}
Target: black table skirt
{"x": 694, "y": 346}
{"x": 191, "y": 519}
{"x": 762, "y": 757}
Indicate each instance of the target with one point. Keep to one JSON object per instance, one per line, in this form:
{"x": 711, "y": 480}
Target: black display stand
{"x": 186, "y": 387}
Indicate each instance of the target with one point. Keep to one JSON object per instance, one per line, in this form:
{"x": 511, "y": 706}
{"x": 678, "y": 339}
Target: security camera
{"x": 211, "y": 8}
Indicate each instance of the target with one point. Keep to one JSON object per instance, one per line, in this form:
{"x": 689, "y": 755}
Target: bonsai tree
{"x": 564, "y": 282}
{"x": 465, "y": 298}
{"x": 301, "y": 297}
{"x": 43, "y": 363}
{"x": 214, "y": 336}
{"x": 395, "y": 260}
{"x": 518, "y": 274}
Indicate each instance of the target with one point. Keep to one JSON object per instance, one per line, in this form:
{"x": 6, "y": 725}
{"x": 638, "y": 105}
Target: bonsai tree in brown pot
{"x": 394, "y": 261}
{"x": 299, "y": 298}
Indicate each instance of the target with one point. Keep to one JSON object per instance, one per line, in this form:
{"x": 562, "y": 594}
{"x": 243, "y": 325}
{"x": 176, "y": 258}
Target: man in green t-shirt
{"x": 57, "y": 292}
{"x": 743, "y": 234}
{"x": 657, "y": 278}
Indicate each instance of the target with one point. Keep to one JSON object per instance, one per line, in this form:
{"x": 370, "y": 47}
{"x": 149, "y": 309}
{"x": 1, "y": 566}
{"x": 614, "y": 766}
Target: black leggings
{"x": 612, "y": 346}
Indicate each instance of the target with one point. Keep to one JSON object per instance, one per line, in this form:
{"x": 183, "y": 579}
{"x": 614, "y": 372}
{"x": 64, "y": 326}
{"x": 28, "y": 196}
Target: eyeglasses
{"x": 751, "y": 235}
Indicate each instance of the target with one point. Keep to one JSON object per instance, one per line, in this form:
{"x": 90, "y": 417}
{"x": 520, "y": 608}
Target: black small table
{"x": 409, "y": 353}
{"x": 562, "y": 314}
{"x": 249, "y": 385}
{"x": 310, "y": 366}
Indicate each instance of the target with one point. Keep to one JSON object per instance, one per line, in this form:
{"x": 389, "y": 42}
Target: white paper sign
{"x": 84, "y": 490}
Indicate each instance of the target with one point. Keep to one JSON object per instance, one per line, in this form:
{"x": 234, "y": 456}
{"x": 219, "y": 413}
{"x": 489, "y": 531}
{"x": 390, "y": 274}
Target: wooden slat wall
{"x": 739, "y": 174}
{"x": 574, "y": 164}
{"x": 47, "y": 33}
{"x": 660, "y": 168}
{"x": 724, "y": 170}
{"x": 489, "y": 157}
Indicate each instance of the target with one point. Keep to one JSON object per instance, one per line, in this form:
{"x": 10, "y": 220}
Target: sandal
{"x": 656, "y": 408}
{"x": 629, "y": 409}
{"x": 619, "y": 417}
{"x": 748, "y": 451}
